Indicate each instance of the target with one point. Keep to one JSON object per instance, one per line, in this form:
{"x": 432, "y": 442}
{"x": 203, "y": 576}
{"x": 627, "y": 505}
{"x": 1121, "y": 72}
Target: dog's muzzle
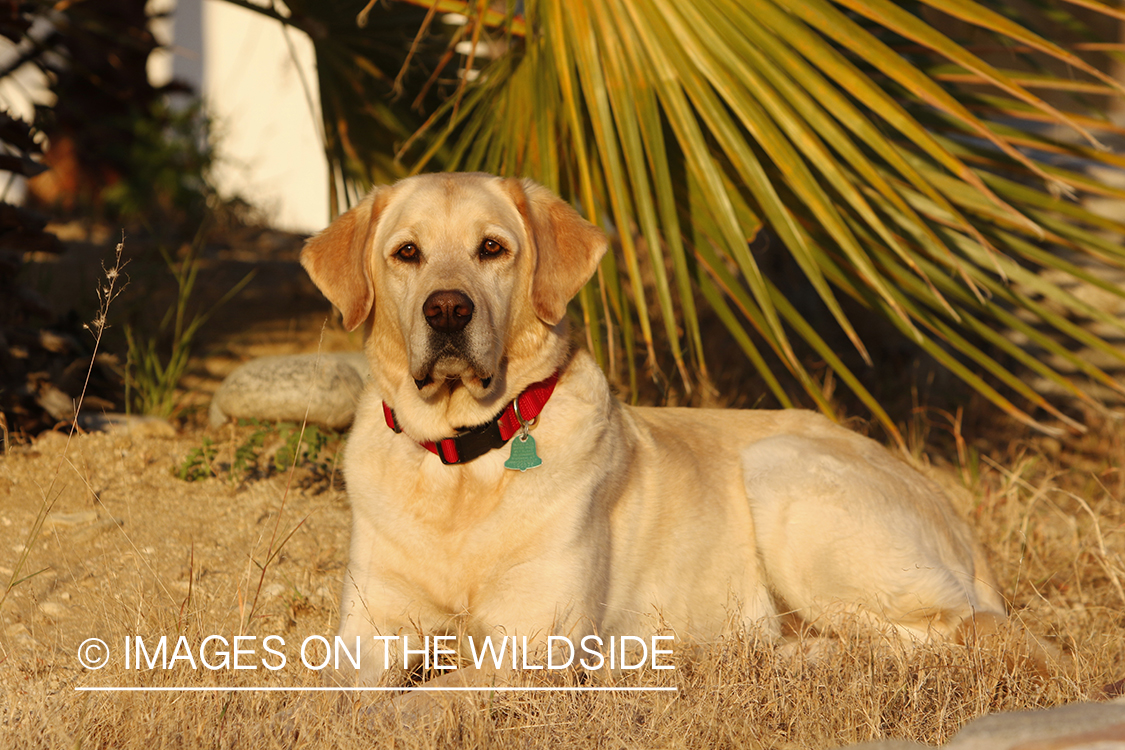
{"x": 448, "y": 313}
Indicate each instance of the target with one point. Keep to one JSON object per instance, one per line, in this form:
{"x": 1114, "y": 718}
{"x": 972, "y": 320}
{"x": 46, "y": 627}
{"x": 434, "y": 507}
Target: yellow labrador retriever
{"x": 499, "y": 489}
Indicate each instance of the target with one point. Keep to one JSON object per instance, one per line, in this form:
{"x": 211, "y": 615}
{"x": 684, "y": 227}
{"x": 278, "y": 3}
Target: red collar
{"x": 476, "y": 441}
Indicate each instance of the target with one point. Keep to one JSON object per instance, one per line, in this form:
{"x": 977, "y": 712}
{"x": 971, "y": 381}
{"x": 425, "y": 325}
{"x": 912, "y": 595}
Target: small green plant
{"x": 169, "y": 153}
{"x": 246, "y": 453}
{"x": 265, "y": 450}
{"x": 151, "y": 379}
{"x": 302, "y": 451}
{"x": 198, "y": 463}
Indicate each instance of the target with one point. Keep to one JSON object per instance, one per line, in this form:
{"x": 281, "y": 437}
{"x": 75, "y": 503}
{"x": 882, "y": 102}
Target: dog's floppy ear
{"x": 567, "y": 247}
{"x": 336, "y": 260}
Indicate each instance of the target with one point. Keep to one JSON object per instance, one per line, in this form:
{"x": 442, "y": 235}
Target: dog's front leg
{"x": 429, "y": 702}
{"x": 377, "y": 631}
{"x": 375, "y": 660}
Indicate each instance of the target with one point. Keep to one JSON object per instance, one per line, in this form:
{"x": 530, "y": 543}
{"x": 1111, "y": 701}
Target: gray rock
{"x": 90, "y": 533}
{"x": 52, "y": 609}
{"x": 137, "y": 425}
{"x": 1079, "y": 726}
{"x": 79, "y": 518}
{"x": 284, "y": 388}
{"x": 1088, "y": 726}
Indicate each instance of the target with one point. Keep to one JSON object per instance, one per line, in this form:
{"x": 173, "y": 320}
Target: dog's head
{"x": 465, "y": 279}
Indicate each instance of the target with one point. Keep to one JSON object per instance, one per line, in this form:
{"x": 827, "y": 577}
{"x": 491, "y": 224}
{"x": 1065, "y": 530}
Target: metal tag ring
{"x": 524, "y": 423}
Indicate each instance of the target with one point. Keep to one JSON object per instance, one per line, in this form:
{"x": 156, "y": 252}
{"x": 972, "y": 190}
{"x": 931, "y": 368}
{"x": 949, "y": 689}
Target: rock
{"x": 52, "y": 609}
{"x": 284, "y": 388}
{"x": 90, "y": 533}
{"x": 274, "y": 590}
{"x": 1079, "y": 726}
{"x": 56, "y": 403}
{"x": 127, "y": 424}
{"x": 79, "y": 518}
{"x": 19, "y": 635}
{"x": 57, "y": 343}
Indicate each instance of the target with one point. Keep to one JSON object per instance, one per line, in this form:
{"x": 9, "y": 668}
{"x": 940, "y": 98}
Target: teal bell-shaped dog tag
{"x": 523, "y": 455}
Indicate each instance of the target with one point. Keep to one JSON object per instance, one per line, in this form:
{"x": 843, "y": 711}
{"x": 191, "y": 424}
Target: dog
{"x": 498, "y": 487}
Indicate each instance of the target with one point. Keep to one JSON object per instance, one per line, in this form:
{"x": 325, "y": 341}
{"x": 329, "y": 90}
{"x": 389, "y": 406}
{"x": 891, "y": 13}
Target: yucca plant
{"x": 898, "y": 167}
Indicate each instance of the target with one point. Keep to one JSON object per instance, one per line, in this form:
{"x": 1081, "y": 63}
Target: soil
{"x": 117, "y": 538}
{"x": 120, "y": 521}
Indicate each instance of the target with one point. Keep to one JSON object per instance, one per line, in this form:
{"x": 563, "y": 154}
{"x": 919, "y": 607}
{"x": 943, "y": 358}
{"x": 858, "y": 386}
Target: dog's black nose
{"x": 448, "y": 311}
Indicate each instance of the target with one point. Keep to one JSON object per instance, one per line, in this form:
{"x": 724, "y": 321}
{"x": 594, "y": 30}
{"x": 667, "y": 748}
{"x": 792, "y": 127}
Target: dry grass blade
{"x": 107, "y": 293}
{"x": 273, "y": 549}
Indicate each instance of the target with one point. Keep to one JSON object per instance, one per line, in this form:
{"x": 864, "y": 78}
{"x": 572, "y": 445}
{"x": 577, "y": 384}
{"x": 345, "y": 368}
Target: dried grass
{"x": 1058, "y": 553}
{"x": 1055, "y": 529}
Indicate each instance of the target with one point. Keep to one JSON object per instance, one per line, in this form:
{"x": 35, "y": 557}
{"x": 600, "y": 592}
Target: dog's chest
{"x": 474, "y": 519}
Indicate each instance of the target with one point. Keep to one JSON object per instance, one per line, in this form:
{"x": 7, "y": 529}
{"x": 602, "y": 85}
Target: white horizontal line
{"x": 267, "y": 689}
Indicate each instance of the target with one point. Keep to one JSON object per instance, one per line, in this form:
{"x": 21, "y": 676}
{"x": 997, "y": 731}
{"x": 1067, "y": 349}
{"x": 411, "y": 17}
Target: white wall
{"x": 266, "y": 126}
{"x": 267, "y": 141}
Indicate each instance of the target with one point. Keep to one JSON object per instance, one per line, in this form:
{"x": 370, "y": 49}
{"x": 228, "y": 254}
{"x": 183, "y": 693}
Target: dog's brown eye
{"x": 409, "y": 253}
{"x": 490, "y": 249}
